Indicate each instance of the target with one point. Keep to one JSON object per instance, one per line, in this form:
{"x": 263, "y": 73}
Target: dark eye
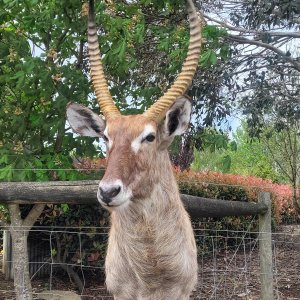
{"x": 105, "y": 138}
{"x": 150, "y": 138}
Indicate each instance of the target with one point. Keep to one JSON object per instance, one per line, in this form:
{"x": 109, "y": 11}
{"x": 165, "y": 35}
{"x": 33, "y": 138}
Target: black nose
{"x": 108, "y": 194}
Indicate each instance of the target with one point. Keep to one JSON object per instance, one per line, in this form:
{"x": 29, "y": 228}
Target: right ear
{"x": 84, "y": 121}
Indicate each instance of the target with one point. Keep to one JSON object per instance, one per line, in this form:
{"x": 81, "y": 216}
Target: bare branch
{"x": 242, "y": 40}
{"x": 293, "y": 34}
{"x": 278, "y": 162}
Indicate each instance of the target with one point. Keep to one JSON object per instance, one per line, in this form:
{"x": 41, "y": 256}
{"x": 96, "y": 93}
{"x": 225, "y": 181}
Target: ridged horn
{"x": 158, "y": 110}
{"x": 103, "y": 95}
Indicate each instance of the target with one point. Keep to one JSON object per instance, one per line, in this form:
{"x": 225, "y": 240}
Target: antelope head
{"x": 136, "y": 144}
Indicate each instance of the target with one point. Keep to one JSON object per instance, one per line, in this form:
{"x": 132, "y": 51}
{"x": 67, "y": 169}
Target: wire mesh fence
{"x": 59, "y": 257}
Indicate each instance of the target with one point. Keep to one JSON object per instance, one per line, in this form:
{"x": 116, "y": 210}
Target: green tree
{"x": 213, "y": 153}
{"x": 242, "y": 155}
{"x": 40, "y": 73}
{"x": 251, "y": 157}
{"x": 283, "y": 149}
{"x": 44, "y": 66}
{"x": 263, "y": 37}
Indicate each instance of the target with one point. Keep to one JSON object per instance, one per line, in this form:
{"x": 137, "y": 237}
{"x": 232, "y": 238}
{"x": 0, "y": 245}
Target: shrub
{"x": 237, "y": 187}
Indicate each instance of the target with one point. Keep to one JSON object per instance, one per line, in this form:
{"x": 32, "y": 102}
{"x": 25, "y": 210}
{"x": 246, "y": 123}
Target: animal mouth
{"x": 112, "y": 205}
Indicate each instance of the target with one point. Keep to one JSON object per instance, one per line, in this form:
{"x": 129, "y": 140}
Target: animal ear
{"x": 84, "y": 121}
{"x": 177, "y": 120}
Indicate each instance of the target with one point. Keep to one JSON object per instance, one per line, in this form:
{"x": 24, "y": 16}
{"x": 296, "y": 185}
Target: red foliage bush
{"x": 237, "y": 187}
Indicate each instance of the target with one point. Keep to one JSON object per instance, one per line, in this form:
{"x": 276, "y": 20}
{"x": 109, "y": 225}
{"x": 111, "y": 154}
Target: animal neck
{"x": 164, "y": 198}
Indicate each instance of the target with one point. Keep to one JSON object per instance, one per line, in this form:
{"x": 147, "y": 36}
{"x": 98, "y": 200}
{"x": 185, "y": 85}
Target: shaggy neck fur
{"x": 151, "y": 252}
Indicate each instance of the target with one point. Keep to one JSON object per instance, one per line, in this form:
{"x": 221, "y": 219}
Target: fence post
{"x": 6, "y": 263}
{"x": 265, "y": 248}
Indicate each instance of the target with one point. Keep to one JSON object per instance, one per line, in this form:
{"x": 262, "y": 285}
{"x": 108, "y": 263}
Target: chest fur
{"x": 154, "y": 250}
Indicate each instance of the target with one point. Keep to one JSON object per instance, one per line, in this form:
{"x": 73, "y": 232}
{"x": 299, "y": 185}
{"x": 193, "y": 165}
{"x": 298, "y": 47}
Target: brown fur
{"x": 151, "y": 251}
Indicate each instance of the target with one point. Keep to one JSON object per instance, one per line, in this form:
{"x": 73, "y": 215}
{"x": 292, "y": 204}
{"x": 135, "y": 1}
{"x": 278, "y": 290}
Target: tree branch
{"x": 34, "y": 213}
{"x": 3, "y": 223}
{"x": 61, "y": 39}
{"x": 69, "y": 269}
{"x": 15, "y": 213}
{"x": 80, "y": 54}
{"x": 270, "y": 149}
{"x": 293, "y": 34}
{"x": 242, "y": 40}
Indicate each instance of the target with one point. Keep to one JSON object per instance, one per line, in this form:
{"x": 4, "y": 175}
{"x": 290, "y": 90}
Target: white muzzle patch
{"x": 122, "y": 197}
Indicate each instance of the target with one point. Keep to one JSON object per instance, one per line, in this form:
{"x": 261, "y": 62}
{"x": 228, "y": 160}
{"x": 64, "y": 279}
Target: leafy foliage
{"x": 270, "y": 13}
{"x": 44, "y": 66}
{"x": 82, "y": 246}
{"x": 232, "y": 187}
{"x": 242, "y": 155}
{"x": 273, "y": 97}
{"x": 40, "y": 73}
{"x": 259, "y": 76}
{"x": 240, "y": 188}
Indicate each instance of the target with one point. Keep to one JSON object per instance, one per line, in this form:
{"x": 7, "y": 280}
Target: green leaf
{"x": 140, "y": 28}
{"x": 28, "y": 66}
{"x": 4, "y": 159}
{"x": 18, "y": 75}
{"x": 204, "y": 57}
{"x": 233, "y": 146}
{"x": 65, "y": 207}
{"x": 226, "y": 163}
{"x": 122, "y": 50}
{"x": 213, "y": 58}
{"x": 208, "y": 58}
{"x": 6, "y": 173}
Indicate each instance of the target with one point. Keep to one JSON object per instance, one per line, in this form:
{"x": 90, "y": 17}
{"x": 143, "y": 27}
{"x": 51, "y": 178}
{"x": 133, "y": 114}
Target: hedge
{"x": 241, "y": 188}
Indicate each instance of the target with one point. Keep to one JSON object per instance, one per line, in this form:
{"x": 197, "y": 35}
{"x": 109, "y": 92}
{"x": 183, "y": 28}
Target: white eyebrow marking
{"x": 110, "y": 142}
{"x": 136, "y": 143}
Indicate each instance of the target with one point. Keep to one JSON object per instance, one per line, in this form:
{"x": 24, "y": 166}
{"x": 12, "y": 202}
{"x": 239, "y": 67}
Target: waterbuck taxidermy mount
{"x": 151, "y": 251}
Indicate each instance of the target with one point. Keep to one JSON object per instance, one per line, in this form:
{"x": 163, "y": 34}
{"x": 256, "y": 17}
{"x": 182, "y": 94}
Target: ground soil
{"x": 226, "y": 275}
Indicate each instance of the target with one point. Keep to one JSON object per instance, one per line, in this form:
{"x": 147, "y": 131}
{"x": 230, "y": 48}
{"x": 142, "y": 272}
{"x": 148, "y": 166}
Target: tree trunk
{"x": 184, "y": 158}
{"x": 22, "y": 281}
{"x": 296, "y": 198}
{"x": 19, "y": 236}
{"x": 19, "y": 230}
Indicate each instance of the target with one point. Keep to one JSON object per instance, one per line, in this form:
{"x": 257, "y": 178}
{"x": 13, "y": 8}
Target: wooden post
{"x": 7, "y": 264}
{"x": 265, "y": 248}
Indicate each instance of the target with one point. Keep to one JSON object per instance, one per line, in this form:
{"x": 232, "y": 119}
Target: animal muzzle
{"x": 107, "y": 195}
{"x": 113, "y": 193}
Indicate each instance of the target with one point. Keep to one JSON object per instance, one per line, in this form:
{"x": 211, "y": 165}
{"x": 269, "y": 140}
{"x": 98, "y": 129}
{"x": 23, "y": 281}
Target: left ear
{"x": 176, "y": 121}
